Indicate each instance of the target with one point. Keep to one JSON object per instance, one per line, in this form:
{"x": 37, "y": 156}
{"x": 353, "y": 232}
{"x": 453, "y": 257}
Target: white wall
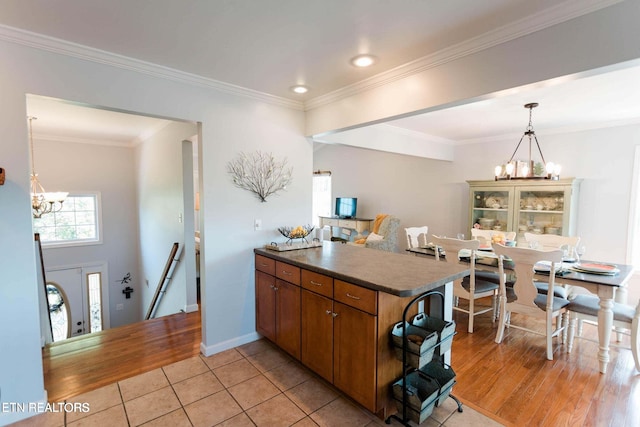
{"x": 228, "y": 212}
{"x": 229, "y": 123}
{"x": 108, "y": 169}
{"x": 418, "y": 191}
{"x": 161, "y": 217}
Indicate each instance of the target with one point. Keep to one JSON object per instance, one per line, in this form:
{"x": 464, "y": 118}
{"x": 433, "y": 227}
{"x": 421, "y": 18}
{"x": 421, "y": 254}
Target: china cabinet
{"x": 535, "y": 206}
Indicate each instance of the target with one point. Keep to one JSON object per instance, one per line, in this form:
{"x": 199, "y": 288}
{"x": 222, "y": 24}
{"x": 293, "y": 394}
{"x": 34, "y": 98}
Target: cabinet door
{"x": 266, "y": 305}
{"x": 491, "y": 208}
{"x": 354, "y": 354}
{"x": 288, "y": 317}
{"x": 317, "y": 334}
{"x": 541, "y": 210}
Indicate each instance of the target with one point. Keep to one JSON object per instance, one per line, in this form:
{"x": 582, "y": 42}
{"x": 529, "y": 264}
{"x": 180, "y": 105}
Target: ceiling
{"x": 268, "y": 46}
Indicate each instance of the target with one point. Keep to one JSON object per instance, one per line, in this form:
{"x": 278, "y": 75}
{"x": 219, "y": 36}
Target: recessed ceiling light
{"x": 300, "y": 89}
{"x": 363, "y": 60}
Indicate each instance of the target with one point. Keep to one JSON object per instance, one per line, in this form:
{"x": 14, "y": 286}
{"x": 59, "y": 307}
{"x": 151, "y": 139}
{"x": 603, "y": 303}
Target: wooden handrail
{"x": 165, "y": 274}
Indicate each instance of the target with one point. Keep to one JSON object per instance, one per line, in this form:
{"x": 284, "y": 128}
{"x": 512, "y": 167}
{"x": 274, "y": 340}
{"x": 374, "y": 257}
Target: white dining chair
{"x": 416, "y": 236}
{"x": 548, "y": 242}
{"x": 524, "y": 297}
{"x": 471, "y": 287}
{"x": 551, "y": 241}
{"x": 626, "y": 318}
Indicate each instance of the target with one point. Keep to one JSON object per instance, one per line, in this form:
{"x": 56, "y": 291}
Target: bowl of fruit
{"x": 299, "y": 232}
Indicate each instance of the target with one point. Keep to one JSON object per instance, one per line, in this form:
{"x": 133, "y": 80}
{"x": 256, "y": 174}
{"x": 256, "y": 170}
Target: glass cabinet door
{"x": 541, "y": 211}
{"x": 491, "y": 208}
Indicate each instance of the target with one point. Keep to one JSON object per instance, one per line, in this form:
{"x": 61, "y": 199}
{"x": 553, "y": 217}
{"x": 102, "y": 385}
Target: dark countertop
{"x": 397, "y": 274}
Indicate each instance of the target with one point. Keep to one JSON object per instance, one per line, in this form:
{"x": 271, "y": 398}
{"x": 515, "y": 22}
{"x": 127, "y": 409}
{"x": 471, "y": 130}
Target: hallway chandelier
{"x": 526, "y": 170}
{"x": 41, "y": 201}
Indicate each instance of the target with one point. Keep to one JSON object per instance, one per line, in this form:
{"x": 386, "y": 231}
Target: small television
{"x": 346, "y": 207}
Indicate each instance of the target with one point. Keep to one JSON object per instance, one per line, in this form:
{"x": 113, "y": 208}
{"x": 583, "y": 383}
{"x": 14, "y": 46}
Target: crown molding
{"x": 63, "y": 47}
{"x": 547, "y": 18}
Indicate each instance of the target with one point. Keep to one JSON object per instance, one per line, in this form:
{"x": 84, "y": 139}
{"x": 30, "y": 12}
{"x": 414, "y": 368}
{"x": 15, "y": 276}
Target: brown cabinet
{"x": 342, "y": 328}
{"x": 354, "y": 354}
{"x": 266, "y": 305}
{"x": 278, "y": 307}
{"x": 317, "y": 334}
{"x": 340, "y": 336}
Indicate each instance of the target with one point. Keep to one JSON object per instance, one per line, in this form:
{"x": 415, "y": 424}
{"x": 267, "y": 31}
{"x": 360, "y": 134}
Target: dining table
{"x": 609, "y": 288}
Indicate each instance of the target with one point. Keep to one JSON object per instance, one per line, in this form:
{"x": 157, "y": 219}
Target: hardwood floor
{"x": 91, "y": 361}
{"x": 514, "y": 383}
{"x": 511, "y": 382}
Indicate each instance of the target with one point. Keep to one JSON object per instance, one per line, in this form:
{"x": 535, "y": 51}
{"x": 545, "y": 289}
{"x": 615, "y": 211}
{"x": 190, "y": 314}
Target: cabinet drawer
{"x": 318, "y": 283}
{"x": 265, "y": 264}
{"x": 348, "y": 223}
{"x": 333, "y": 222}
{"x": 288, "y": 272}
{"x": 356, "y": 296}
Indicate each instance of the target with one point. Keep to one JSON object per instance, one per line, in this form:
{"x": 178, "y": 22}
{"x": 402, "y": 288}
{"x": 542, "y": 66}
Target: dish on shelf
{"x": 486, "y": 223}
{"x": 492, "y": 201}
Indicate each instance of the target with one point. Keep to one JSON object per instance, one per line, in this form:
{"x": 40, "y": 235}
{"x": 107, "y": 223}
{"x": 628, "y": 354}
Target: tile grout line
{"x": 176, "y": 394}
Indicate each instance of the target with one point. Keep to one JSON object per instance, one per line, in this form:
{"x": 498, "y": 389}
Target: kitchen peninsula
{"x": 332, "y": 308}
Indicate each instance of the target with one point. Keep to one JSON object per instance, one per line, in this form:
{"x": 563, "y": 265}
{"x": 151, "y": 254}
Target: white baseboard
{"x": 191, "y": 308}
{"x": 226, "y": 345}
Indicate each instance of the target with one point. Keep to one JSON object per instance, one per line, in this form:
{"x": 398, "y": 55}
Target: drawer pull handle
{"x": 328, "y": 312}
{"x": 315, "y": 283}
{"x": 263, "y": 265}
{"x": 334, "y": 314}
{"x": 286, "y": 272}
{"x": 353, "y": 296}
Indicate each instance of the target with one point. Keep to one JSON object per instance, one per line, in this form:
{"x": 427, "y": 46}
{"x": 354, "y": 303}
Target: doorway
{"x": 79, "y": 300}
{"x": 133, "y": 161}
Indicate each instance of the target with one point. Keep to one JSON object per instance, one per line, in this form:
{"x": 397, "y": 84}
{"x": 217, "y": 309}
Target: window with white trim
{"x": 77, "y": 223}
{"x": 321, "y": 203}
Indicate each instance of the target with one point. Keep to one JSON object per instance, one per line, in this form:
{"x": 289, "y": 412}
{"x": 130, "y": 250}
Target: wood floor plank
{"x": 81, "y": 364}
{"x": 514, "y": 381}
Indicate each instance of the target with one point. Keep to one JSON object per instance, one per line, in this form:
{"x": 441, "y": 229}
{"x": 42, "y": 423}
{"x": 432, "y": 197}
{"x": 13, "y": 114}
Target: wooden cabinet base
{"x": 337, "y": 329}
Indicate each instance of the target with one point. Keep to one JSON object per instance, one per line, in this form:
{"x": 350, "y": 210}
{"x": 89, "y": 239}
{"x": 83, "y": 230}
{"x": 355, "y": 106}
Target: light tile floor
{"x": 252, "y": 385}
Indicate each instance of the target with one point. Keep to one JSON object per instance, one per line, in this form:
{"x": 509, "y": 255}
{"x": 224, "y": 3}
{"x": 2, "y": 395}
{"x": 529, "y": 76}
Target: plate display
{"x": 596, "y": 268}
{"x": 493, "y": 199}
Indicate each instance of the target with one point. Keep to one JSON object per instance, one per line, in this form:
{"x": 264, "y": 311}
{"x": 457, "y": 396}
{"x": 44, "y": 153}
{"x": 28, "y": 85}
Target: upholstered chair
{"x": 388, "y": 231}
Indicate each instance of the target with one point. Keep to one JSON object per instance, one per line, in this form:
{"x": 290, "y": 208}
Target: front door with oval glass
{"x": 75, "y": 303}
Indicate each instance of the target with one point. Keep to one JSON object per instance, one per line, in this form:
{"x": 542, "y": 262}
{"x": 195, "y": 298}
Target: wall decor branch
{"x": 260, "y": 173}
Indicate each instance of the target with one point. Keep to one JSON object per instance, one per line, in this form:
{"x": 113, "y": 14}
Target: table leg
{"x": 605, "y": 323}
{"x": 621, "y": 297}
